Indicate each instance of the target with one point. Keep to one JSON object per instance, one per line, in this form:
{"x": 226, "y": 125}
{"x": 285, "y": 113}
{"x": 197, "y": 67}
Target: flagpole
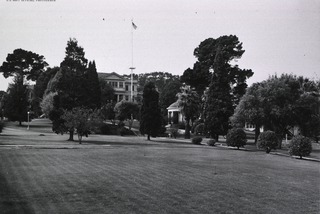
{"x": 132, "y": 68}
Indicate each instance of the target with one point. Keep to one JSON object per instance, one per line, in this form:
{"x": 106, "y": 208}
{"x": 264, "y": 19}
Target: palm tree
{"x": 189, "y": 105}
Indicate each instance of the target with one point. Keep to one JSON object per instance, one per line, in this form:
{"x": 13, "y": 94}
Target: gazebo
{"x": 174, "y": 114}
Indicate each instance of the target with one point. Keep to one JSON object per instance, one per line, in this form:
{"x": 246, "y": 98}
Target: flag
{"x": 134, "y": 26}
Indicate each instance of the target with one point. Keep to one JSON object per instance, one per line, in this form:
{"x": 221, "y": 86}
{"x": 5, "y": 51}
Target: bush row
{"x": 299, "y": 146}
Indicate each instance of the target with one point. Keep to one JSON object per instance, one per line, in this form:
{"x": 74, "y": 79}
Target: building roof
{"x": 174, "y": 106}
{"x": 112, "y": 75}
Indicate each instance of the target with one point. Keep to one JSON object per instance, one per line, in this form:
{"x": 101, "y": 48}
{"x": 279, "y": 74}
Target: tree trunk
{"x": 187, "y": 130}
{"x": 216, "y": 137}
{"x": 280, "y": 141}
{"x": 268, "y": 150}
{"x": 71, "y": 135}
{"x": 130, "y": 122}
{"x": 148, "y": 137}
{"x": 80, "y": 138}
{"x": 256, "y": 134}
{"x": 20, "y": 123}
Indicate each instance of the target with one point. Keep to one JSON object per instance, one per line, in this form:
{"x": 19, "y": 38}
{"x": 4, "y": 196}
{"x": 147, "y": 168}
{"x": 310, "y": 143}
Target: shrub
{"x": 300, "y": 146}
{"x": 267, "y": 140}
{"x": 236, "y": 137}
{"x": 211, "y": 142}
{"x": 197, "y": 140}
{"x": 199, "y": 129}
{"x": 173, "y": 132}
{"x": 195, "y": 124}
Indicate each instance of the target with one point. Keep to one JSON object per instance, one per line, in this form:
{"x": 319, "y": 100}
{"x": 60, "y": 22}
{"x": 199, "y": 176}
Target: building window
{"x": 114, "y": 84}
{"x": 127, "y": 88}
{"x": 120, "y": 84}
{"x": 127, "y": 98}
{"x": 120, "y": 97}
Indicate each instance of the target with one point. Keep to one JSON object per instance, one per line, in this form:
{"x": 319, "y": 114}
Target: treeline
{"x": 213, "y": 95}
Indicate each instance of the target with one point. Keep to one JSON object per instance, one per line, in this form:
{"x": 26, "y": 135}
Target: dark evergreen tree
{"x": 73, "y": 87}
{"x": 74, "y": 59}
{"x": 92, "y": 88}
{"x": 150, "y": 122}
{"x": 199, "y": 77}
{"x": 17, "y": 105}
{"x": 219, "y": 106}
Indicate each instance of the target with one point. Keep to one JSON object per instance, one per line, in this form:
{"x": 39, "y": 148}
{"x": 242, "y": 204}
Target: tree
{"x": 236, "y": 137}
{"x": 3, "y": 96}
{"x": 47, "y": 103}
{"x": 83, "y": 121}
{"x": 107, "y": 111}
{"x": 17, "y": 105}
{"x": 189, "y": 105}
{"x": 250, "y": 110}
{"x": 198, "y": 77}
{"x": 74, "y": 59}
{"x": 40, "y": 88}
{"x": 23, "y": 63}
{"x": 52, "y": 85}
{"x": 281, "y": 103}
{"x": 107, "y": 92}
{"x": 150, "y": 122}
{"x": 308, "y": 115}
{"x": 72, "y": 86}
{"x": 218, "y": 104}
{"x": 127, "y": 111}
{"x": 300, "y": 146}
{"x": 92, "y": 87}
{"x": 230, "y": 49}
{"x": 160, "y": 79}
{"x": 169, "y": 95}
{"x": 268, "y": 140}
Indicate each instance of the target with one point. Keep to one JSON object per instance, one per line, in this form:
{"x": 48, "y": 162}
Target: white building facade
{"x": 121, "y": 86}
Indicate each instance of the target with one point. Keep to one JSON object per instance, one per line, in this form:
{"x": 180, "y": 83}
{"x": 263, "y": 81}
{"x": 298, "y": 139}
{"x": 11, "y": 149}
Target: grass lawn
{"x": 109, "y": 174}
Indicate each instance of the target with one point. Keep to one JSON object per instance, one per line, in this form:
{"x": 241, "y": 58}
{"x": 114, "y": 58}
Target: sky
{"x": 278, "y": 36}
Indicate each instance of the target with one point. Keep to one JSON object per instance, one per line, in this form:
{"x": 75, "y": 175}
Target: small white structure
{"x": 174, "y": 114}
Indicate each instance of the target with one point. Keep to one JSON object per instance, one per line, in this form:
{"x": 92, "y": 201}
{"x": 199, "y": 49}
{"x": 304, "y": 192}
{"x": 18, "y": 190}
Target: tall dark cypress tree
{"x": 150, "y": 122}
{"x": 92, "y": 87}
{"x": 219, "y": 106}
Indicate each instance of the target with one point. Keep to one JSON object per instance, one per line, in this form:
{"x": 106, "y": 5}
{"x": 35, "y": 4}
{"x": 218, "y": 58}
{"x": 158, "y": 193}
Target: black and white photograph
{"x": 149, "y": 106}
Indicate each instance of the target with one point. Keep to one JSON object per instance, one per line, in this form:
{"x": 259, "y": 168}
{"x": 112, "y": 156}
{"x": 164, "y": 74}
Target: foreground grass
{"x": 155, "y": 177}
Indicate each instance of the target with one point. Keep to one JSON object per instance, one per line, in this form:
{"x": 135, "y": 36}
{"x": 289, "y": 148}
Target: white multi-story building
{"x": 121, "y": 86}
